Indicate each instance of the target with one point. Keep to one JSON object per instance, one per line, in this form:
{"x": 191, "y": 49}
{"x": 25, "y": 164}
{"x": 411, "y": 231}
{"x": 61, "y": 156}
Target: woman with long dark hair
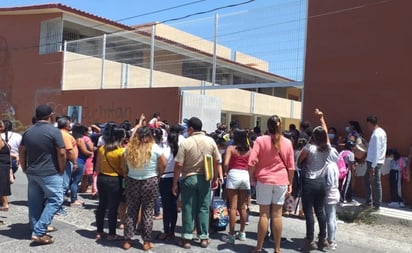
{"x": 5, "y": 173}
{"x": 237, "y": 183}
{"x": 110, "y": 171}
{"x": 85, "y": 147}
{"x": 145, "y": 162}
{"x": 312, "y": 161}
{"x": 271, "y": 165}
{"x": 169, "y": 200}
{"x": 13, "y": 139}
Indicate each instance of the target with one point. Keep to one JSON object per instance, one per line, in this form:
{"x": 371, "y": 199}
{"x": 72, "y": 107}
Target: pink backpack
{"x": 343, "y": 169}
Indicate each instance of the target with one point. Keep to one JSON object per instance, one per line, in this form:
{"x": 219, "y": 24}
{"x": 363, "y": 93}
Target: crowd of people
{"x": 127, "y": 167}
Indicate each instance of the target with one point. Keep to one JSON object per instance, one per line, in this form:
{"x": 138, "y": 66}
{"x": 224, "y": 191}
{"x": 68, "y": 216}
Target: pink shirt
{"x": 269, "y": 166}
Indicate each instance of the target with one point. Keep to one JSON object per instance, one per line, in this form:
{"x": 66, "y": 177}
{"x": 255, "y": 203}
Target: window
{"x": 51, "y": 35}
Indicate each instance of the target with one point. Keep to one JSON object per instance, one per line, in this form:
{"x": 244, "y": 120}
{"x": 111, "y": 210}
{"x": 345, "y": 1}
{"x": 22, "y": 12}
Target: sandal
{"x": 184, "y": 244}
{"x": 45, "y": 239}
{"x": 127, "y": 244}
{"x": 147, "y": 246}
{"x": 204, "y": 243}
{"x": 158, "y": 217}
{"x": 76, "y": 204}
{"x": 100, "y": 235}
{"x": 51, "y": 229}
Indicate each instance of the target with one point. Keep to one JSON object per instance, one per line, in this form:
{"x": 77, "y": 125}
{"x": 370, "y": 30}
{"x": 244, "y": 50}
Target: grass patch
{"x": 358, "y": 214}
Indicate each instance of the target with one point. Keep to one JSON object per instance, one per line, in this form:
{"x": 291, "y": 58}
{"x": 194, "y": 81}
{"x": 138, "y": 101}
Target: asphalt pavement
{"x": 76, "y": 233}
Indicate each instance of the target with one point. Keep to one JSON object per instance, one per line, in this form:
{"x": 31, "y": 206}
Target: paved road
{"x": 76, "y": 233}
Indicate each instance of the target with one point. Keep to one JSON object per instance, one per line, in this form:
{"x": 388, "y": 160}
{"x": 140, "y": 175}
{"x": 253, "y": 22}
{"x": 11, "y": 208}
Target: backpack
{"x": 343, "y": 169}
{"x": 219, "y": 213}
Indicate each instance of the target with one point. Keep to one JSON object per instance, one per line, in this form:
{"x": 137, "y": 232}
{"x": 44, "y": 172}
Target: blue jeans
{"x": 45, "y": 196}
{"x": 77, "y": 176}
{"x": 67, "y": 175}
{"x": 331, "y": 221}
{"x": 377, "y": 189}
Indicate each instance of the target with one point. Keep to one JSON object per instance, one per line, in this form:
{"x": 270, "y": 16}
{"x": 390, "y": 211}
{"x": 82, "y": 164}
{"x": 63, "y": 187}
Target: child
{"x": 332, "y": 198}
{"x": 397, "y": 171}
{"x": 345, "y": 184}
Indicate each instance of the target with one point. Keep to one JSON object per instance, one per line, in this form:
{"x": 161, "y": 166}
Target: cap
{"x": 43, "y": 112}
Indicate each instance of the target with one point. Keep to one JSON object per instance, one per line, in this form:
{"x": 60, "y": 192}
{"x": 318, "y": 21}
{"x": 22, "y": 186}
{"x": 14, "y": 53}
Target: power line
{"x": 208, "y": 11}
{"x": 158, "y": 11}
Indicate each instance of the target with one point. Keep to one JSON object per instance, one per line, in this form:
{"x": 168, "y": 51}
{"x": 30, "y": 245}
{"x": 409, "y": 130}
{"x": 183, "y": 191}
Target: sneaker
{"x": 394, "y": 204}
{"x": 241, "y": 236}
{"x": 332, "y": 245}
{"x": 228, "y": 238}
{"x": 401, "y": 204}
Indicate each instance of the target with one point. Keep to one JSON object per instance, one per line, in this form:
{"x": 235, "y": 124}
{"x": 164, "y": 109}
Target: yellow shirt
{"x": 110, "y": 162}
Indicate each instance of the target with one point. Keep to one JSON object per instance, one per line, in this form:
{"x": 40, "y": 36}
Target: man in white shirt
{"x": 374, "y": 161}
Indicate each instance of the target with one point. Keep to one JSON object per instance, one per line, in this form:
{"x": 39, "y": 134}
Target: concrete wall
{"x": 84, "y": 72}
{"x": 240, "y": 101}
{"x": 358, "y": 63}
{"x": 190, "y": 40}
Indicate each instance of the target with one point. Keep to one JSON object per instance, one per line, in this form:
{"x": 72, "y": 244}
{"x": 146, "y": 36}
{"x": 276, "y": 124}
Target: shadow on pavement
{"x": 19, "y": 202}
{"x": 86, "y": 233}
{"x": 293, "y": 243}
{"x": 238, "y": 247}
{"x": 19, "y": 231}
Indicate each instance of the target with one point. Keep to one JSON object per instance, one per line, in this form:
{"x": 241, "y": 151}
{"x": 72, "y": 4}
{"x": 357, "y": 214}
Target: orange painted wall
{"x": 117, "y": 105}
{"x": 358, "y": 61}
{"x": 28, "y": 79}
{"x": 27, "y": 73}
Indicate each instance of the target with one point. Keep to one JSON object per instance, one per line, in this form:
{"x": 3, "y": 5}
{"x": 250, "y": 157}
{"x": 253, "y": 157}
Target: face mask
{"x": 347, "y": 129}
{"x": 331, "y": 136}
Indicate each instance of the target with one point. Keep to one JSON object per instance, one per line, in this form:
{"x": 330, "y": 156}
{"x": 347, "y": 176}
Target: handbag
{"x": 297, "y": 180}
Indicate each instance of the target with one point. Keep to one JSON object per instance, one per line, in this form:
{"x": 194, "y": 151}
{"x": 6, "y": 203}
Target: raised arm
{"x": 322, "y": 123}
{"x": 142, "y": 122}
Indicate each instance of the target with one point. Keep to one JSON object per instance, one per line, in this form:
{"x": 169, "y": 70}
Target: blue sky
{"x": 267, "y": 29}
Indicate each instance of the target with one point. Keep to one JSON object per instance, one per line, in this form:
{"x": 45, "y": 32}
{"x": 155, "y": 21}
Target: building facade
{"x": 65, "y": 54}
{"x": 358, "y": 64}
